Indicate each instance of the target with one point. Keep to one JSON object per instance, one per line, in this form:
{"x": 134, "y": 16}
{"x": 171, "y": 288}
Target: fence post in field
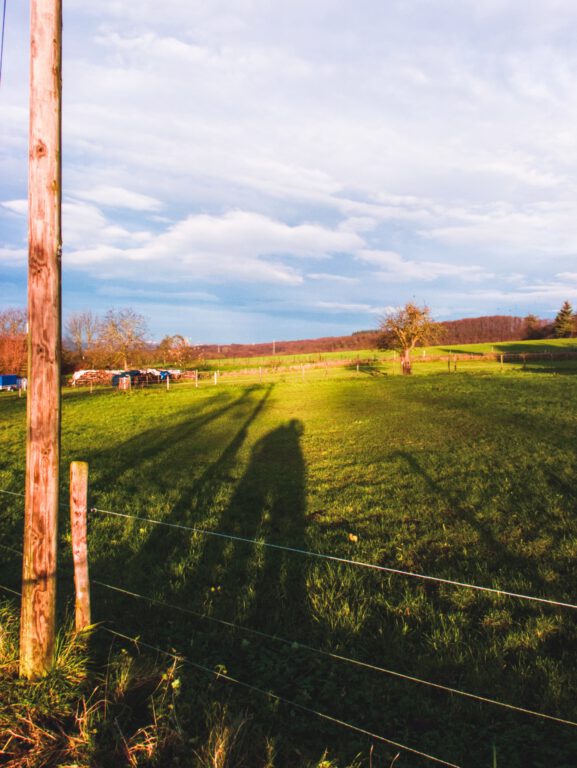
{"x": 524, "y": 356}
{"x": 260, "y": 374}
{"x": 167, "y": 383}
{"x": 196, "y": 379}
{"x": 38, "y": 608}
{"x": 501, "y": 362}
{"x": 78, "y": 528}
{"x": 215, "y": 376}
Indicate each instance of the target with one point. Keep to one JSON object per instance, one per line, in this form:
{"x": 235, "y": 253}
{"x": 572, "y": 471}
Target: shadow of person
{"x": 249, "y": 583}
{"x": 280, "y": 588}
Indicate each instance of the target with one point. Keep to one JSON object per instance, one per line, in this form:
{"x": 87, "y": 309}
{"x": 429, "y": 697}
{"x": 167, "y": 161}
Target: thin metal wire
{"x": 12, "y": 493}
{"x": 334, "y": 558}
{"x": 282, "y": 700}
{"x": 11, "y": 549}
{"x": 12, "y": 591}
{"x": 339, "y": 657}
{"x": 344, "y": 560}
{"x": 2, "y": 40}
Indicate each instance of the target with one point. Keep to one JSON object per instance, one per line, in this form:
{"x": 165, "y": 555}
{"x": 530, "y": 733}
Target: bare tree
{"x": 82, "y": 330}
{"x": 406, "y": 328}
{"x": 13, "y": 321}
{"x": 122, "y": 334}
{"x": 13, "y": 340}
{"x": 174, "y": 349}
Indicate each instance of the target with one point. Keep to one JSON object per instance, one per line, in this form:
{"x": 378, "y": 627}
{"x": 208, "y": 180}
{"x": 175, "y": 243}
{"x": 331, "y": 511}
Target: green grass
{"x": 469, "y": 476}
{"x": 505, "y": 347}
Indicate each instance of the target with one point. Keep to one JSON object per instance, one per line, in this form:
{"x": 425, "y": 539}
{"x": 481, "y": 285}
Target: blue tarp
{"x": 9, "y": 380}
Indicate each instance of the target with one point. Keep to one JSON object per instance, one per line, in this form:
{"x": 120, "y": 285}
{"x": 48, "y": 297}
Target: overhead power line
{"x": 2, "y": 39}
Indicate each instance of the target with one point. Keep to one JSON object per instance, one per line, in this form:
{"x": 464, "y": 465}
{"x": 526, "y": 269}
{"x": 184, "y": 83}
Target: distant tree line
{"x": 120, "y": 339}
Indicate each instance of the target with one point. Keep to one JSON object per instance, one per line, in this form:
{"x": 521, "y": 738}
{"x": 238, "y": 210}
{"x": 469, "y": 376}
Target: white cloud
{"x": 332, "y": 278}
{"x": 393, "y": 267}
{"x": 441, "y": 131}
{"x": 19, "y": 207}
{"x": 13, "y": 256}
{"x": 118, "y": 197}
{"x": 239, "y": 245}
{"x": 84, "y": 225}
{"x": 335, "y": 306}
{"x": 549, "y": 228}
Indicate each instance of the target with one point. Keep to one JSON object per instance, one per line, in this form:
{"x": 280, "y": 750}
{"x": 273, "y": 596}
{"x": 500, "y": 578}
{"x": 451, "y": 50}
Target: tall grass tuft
{"x": 122, "y": 715}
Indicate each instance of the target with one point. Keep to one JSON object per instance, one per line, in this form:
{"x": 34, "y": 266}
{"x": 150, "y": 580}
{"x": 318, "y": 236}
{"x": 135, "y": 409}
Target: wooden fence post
{"x": 196, "y": 379}
{"x": 78, "y": 528}
{"x": 38, "y": 609}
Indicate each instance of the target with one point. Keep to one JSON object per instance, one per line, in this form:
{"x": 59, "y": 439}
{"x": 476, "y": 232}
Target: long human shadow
{"x": 169, "y": 447}
{"x": 192, "y": 505}
{"x": 163, "y": 459}
{"x": 250, "y": 583}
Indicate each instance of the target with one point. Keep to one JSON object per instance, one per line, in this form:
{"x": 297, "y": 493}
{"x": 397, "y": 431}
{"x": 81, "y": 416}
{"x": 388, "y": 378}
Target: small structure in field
{"x": 136, "y": 377}
{"x": 92, "y": 377}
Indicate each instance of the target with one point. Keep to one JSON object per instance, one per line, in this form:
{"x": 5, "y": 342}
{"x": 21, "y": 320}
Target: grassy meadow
{"x": 539, "y": 346}
{"x": 469, "y": 476}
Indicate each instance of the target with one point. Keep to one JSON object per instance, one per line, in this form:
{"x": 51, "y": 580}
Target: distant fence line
{"x": 272, "y": 368}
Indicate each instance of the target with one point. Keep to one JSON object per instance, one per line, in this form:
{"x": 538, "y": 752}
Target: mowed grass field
{"x": 469, "y": 476}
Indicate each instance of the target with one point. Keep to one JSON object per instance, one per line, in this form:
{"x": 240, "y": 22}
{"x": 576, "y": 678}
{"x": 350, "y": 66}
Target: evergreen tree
{"x": 564, "y": 325}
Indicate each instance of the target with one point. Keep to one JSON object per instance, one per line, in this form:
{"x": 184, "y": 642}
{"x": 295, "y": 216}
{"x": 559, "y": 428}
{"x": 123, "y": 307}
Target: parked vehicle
{"x": 10, "y": 382}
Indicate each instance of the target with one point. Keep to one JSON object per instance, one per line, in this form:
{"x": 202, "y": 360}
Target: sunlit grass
{"x": 467, "y": 476}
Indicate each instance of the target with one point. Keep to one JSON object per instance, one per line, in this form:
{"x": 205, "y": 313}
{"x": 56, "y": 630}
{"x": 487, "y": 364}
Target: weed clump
{"x": 120, "y": 715}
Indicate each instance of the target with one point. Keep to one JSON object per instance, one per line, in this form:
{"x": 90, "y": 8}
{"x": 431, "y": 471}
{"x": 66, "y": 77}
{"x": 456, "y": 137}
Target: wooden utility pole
{"x": 38, "y": 616}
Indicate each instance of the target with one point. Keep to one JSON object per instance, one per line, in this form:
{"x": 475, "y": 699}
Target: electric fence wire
{"x": 225, "y": 676}
{"x": 337, "y": 656}
{"x": 12, "y": 493}
{"x": 11, "y": 549}
{"x": 332, "y": 558}
{"x": 2, "y": 39}
{"x": 12, "y": 591}
{"x": 343, "y": 560}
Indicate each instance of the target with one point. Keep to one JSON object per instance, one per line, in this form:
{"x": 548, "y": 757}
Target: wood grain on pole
{"x": 78, "y": 528}
{"x": 38, "y": 613}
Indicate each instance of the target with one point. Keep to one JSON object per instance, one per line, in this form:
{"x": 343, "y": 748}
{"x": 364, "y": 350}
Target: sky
{"x": 248, "y": 170}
